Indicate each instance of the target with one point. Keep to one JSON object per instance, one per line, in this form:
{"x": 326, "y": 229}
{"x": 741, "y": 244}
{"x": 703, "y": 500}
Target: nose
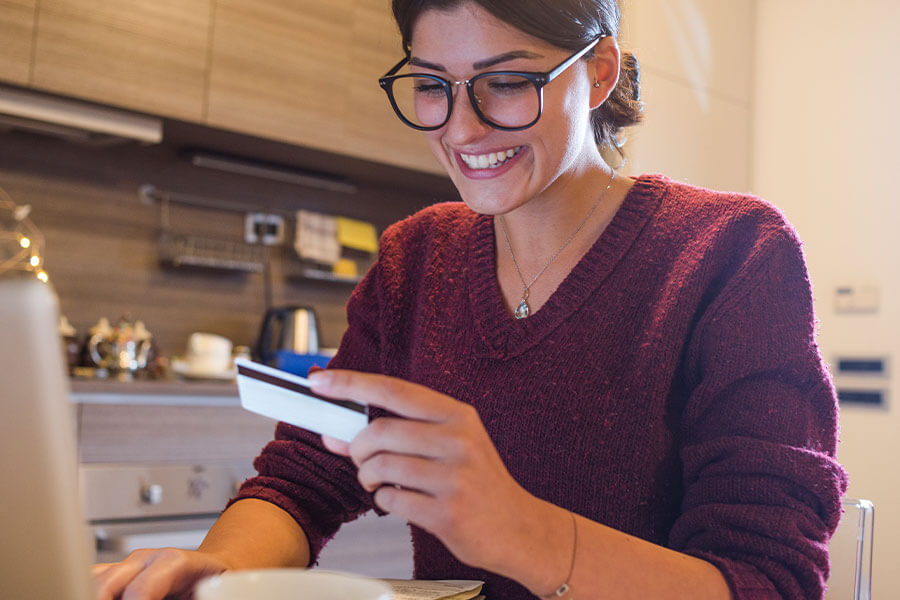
{"x": 464, "y": 124}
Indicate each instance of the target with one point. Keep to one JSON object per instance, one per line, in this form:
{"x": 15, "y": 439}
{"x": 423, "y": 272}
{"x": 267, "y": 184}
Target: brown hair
{"x": 568, "y": 24}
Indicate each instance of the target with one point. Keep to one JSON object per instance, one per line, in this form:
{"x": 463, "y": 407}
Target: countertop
{"x": 172, "y": 392}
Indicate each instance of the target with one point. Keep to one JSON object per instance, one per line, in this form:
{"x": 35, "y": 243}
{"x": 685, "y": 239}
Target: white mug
{"x": 291, "y": 584}
{"x": 209, "y": 353}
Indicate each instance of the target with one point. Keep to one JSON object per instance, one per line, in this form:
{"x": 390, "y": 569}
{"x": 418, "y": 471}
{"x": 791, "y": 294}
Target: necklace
{"x": 523, "y": 310}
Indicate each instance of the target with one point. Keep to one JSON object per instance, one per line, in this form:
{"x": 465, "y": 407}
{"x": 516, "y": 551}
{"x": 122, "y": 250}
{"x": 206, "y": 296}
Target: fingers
{"x": 111, "y": 578}
{"x": 162, "y": 576}
{"x": 336, "y": 446}
{"x": 99, "y": 568}
{"x": 404, "y": 398}
{"x": 401, "y": 436}
{"x": 407, "y": 504}
{"x": 420, "y": 474}
{"x": 152, "y": 574}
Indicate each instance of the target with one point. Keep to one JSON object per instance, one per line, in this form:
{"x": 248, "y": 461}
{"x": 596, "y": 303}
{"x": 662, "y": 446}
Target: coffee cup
{"x": 296, "y": 584}
{"x": 208, "y": 353}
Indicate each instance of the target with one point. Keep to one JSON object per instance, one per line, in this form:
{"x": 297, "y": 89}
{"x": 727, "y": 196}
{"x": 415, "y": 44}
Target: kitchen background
{"x": 794, "y": 100}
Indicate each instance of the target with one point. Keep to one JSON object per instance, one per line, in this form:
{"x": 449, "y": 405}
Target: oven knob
{"x": 196, "y": 486}
{"x": 152, "y": 493}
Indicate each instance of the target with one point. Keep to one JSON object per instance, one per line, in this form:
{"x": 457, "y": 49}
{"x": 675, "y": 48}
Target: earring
{"x": 596, "y": 84}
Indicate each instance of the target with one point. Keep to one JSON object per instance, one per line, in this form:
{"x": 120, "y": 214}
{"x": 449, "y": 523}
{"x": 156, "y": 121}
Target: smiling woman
{"x": 581, "y": 384}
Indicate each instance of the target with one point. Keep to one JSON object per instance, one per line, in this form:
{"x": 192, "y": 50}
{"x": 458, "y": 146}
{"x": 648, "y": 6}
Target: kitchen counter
{"x": 166, "y": 392}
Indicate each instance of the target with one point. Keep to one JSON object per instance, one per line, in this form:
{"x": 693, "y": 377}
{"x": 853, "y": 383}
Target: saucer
{"x": 187, "y": 370}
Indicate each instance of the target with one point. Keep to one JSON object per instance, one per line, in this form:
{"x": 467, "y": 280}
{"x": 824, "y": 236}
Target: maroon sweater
{"x": 670, "y": 388}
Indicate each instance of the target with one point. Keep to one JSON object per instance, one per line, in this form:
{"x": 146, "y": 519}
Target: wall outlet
{"x": 263, "y": 228}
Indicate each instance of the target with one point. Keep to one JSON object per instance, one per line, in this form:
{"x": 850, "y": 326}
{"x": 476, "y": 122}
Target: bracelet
{"x": 564, "y": 588}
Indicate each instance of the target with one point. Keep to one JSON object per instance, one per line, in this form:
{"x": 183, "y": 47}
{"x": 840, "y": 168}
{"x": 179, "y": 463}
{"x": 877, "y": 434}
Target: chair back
{"x": 851, "y": 553}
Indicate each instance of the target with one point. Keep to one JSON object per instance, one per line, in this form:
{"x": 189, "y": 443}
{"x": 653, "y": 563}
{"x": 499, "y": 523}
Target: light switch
{"x": 857, "y": 298}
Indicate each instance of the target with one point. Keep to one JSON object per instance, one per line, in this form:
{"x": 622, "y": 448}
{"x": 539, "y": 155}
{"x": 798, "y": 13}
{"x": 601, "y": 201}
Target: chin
{"x": 488, "y": 203}
{"x": 491, "y": 197}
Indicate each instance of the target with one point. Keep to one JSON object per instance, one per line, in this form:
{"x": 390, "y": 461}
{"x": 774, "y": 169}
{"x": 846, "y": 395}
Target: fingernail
{"x": 318, "y": 378}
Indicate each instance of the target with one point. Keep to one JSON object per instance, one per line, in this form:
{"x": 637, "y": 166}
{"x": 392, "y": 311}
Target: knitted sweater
{"x": 670, "y": 388}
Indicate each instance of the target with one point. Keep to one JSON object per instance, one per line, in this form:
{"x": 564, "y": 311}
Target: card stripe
{"x": 296, "y": 387}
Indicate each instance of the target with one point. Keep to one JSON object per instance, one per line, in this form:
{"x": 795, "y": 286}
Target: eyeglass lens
{"x": 502, "y": 99}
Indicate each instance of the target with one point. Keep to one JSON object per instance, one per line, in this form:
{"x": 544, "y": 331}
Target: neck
{"x": 541, "y": 226}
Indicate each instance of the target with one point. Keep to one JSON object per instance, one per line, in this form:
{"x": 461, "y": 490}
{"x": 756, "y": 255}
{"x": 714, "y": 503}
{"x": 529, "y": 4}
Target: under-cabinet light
{"x": 272, "y": 172}
{"x": 44, "y": 108}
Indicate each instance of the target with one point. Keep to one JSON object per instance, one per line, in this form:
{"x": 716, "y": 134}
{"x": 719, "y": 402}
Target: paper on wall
{"x": 317, "y": 237}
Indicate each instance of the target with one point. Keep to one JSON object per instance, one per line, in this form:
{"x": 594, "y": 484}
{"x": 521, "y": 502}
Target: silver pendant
{"x": 523, "y": 310}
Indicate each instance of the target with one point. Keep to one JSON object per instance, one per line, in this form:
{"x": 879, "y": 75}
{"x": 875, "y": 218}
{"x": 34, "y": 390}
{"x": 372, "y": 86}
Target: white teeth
{"x": 489, "y": 161}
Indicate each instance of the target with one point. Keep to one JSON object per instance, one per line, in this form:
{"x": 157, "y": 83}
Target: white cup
{"x": 209, "y": 353}
{"x": 291, "y": 584}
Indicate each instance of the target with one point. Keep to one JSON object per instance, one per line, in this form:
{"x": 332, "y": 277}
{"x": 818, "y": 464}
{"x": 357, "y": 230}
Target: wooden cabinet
{"x": 303, "y": 72}
{"x": 147, "y": 56}
{"x": 17, "y": 19}
{"x": 279, "y": 70}
{"x": 373, "y": 131}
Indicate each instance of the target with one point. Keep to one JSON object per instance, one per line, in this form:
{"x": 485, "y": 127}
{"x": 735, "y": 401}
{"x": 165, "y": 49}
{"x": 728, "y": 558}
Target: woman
{"x": 591, "y": 386}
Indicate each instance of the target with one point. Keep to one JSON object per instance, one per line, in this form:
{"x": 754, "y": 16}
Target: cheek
{"x": 437, "y": 148}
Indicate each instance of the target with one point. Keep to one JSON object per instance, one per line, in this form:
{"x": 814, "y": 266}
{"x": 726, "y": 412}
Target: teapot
{"x": 123, "y": 348}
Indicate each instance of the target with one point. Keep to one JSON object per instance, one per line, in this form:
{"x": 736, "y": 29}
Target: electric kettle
{"x": 290, "y": 328}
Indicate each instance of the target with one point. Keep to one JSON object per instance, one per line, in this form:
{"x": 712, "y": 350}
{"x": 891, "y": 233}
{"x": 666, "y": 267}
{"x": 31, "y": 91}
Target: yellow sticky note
{"x": 345, "y": 267}
{"x": 358, "y": 235}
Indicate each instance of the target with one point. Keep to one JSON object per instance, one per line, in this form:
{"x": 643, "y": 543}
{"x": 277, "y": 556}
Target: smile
{"x": 489, "y": 161}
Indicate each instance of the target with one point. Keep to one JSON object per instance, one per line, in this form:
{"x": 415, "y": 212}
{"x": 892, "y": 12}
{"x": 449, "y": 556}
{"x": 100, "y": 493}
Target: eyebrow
{"x": 481, "y": 64}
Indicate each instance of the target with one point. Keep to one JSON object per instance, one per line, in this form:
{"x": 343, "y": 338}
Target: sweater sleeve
{"x": 762, "y": 488}
{"x": 296, "y": 473}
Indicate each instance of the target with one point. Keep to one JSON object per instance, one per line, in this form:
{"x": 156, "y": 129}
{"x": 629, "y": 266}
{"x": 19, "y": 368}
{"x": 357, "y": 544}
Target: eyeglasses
{"x": 507, "y": 100}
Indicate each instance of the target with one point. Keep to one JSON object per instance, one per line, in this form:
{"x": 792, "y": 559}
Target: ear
{"x": 604, "y": 70}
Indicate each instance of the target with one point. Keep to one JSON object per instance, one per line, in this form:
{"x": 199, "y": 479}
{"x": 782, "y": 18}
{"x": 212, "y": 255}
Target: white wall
{"x": 825, "y": 138}
{"x": 799, "y": 102}
{"x": 696, "y": 61}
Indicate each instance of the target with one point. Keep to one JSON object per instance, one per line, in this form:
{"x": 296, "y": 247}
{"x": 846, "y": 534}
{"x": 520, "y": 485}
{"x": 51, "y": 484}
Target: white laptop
{"x": 46, "y": 553}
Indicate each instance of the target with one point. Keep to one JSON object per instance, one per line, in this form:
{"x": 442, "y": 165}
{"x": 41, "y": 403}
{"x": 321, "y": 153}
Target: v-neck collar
{"x": 503, "y": 335}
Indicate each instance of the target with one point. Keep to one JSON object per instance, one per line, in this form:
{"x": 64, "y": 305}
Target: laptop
{"x": 46, "y": 552}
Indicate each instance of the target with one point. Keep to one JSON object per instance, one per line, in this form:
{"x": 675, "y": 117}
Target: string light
{"x": 21, "y": 243}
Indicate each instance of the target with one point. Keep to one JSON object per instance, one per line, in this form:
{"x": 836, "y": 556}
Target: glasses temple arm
{"x": 397, "y": 67}
{"x": 568, "y": 62}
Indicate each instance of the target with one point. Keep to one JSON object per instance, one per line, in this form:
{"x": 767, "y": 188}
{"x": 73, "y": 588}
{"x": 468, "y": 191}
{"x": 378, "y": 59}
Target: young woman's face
{"x": 467, "y": 40}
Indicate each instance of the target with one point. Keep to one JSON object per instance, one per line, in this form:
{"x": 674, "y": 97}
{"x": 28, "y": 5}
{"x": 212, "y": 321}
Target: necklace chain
{"x": 523, "y": 310}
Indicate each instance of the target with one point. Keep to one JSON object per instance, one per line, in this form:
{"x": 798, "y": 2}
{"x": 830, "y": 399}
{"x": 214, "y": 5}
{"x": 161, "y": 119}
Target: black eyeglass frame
{"x": 538, "y": 80}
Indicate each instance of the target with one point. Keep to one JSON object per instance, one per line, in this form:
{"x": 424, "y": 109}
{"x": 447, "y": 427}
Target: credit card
{"x": 287, "y": 397}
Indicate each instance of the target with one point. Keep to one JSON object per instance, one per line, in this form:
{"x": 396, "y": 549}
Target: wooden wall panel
{"x": 279, "y": 70}
{"x": 102, "y": 243}
{"x": 147, "y": 56}
{"x": 16, "y": 35}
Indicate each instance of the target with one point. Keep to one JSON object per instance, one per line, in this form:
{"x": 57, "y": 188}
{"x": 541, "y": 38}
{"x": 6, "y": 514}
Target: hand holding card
{"x": 287, "y": 397}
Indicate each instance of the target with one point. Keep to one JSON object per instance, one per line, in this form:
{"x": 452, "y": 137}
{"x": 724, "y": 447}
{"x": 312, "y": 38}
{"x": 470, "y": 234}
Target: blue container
{"x": 299, "y": 364}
